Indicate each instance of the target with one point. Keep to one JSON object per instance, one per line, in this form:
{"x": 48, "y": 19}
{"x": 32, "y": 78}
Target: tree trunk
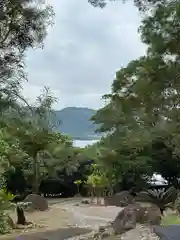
{"x": 162, "y": 211}
{"x": 35, "y": 175}
{"x": 20, "y": 216}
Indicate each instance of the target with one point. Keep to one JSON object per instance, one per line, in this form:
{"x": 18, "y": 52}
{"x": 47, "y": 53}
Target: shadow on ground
{"x": 59, "y": 234}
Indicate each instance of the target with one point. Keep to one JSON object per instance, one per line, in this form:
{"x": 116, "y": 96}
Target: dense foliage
{"x": 30, "y": 149}
{"x": 161, "y": 197}
{"x": 143, "y": 5}
{"x": 141, "y": 118}
{"x": 140, "y": 122}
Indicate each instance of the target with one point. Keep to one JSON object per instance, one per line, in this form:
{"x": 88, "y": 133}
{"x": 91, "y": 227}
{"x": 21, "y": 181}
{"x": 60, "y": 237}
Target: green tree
{"x": 35, "y": 132}
{"x": 142, "y": 5}
{"x": 97, "y": 182}
{"x": 23, "y": 25}
{"x": 42, "y": 151}
{"x": 164, "y": 161}
{"x": 144, "y": 103}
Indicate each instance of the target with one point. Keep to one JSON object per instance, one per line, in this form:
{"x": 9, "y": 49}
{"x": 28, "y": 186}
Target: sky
{"x": 82, "y": 52}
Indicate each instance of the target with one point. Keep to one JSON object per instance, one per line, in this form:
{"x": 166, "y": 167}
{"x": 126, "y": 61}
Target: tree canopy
{"x": 140, "y": 121}
{"x": 23, "y": 25}
{"x": 143, "y": 107}
{"x": 29, "y": 143}
{"x": 143, "y": 5}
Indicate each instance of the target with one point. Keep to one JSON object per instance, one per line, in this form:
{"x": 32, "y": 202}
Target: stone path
{"x": 168, "y": 232}
{"x": 59, "y": 234}
{"x": 68, "y": 218}
{"x": 92, "y": 216}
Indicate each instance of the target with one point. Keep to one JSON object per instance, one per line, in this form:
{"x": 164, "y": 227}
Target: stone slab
{"x": 171, "y": 232}
{"x": 59, "y": 234}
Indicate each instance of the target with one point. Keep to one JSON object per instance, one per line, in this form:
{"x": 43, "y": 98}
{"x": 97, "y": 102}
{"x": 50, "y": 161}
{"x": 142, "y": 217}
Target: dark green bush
{"x": 161, "y": 197}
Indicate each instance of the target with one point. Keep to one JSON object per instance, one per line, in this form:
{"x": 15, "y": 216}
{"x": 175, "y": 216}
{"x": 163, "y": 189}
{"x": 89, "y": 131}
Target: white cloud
{"x": 82, "y": 52}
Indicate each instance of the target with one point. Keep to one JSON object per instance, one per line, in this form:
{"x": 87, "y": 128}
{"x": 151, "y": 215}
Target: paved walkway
{"x": 171, "y": 232}
{"x": 82, "y": 219}
{"x": 59, "y": 234}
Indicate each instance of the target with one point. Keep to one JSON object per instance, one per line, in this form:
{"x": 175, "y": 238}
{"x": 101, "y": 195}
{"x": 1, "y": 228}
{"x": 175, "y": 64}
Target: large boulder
{"x": 133, "y": 214}
{"x": 38, "y": 202}
{"x": 126, "y": 219}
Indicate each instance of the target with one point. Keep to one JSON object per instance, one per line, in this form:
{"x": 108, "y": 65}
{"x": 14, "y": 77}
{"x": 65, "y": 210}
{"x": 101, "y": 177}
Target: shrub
{"x": 5, "y": 205}
{"x": 160, "y": 197}
{"x": 9, "y": 195}
{"x": 78, "y": 183}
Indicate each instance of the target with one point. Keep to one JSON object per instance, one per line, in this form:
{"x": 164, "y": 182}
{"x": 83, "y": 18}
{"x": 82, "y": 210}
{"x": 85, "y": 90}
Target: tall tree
{"x": 142, "y": 5}
{"x": 144, "y": 103}
{"x": 35, "y": 132}
{"x": 23, "y": 24}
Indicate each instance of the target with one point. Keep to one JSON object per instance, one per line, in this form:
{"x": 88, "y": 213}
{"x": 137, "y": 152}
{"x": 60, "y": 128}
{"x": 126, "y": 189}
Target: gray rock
{"x": 133, "y": 214}
{"x": 38, "y": 202}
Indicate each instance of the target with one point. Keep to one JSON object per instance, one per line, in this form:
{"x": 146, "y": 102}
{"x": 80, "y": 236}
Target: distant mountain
{"x": 76, "y": 122}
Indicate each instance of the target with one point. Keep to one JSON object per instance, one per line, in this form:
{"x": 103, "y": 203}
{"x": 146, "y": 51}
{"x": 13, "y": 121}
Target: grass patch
{"x": 170, "y": 219}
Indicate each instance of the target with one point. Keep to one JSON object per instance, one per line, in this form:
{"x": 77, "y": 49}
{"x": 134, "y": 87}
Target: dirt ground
{"x": 64, "y": 213}
{"x": 67, "y": 218}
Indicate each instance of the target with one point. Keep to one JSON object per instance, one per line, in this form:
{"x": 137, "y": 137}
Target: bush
{"x": 160, "y": 197}
{"x": 9, "y": 195}
{"x": 5, "y": 205}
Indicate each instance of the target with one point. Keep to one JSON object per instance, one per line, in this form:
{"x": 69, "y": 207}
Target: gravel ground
{"x": 95, "y": 216}
{"x": 70, "y": 213}
{"x": 140, "y": 233}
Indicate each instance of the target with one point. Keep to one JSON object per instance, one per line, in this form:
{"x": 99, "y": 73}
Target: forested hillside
{"x": 76, "y": 122}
